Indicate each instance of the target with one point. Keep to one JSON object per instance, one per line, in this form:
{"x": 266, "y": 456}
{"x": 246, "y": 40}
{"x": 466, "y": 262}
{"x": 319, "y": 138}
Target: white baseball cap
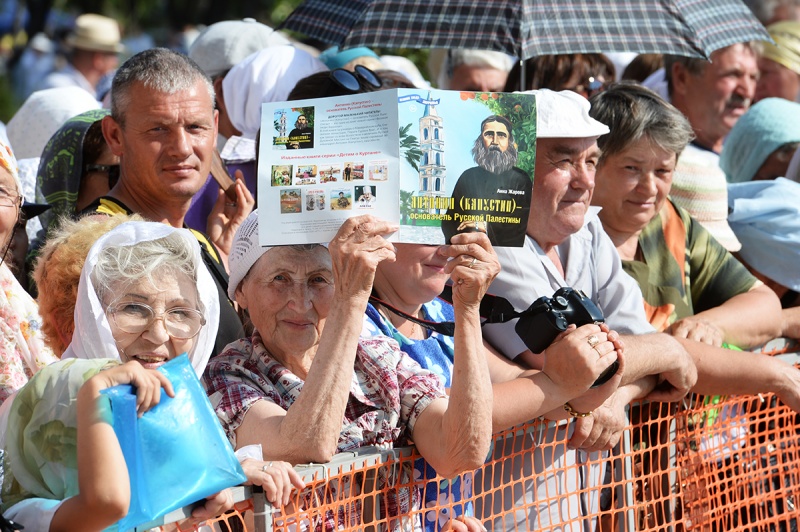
{"x": 565, "y": 114}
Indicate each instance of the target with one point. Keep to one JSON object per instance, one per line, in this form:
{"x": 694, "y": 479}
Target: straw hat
{"x": 95, "y": 33}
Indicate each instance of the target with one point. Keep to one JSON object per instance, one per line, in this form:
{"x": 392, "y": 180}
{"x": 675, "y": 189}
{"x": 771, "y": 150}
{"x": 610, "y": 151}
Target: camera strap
{"x": 447, "y": 328}
{"x": 493, "y": 309}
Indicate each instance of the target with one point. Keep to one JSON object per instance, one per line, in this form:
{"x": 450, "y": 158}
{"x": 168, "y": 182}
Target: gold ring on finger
{"x": 471, "y": 264}
{"x": 592, "y": 340}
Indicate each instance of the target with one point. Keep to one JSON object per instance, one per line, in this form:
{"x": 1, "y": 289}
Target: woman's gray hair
{"x": 633, "y": 112}
{"x": 150, "y": 260}
{"x": 158, "y": 69}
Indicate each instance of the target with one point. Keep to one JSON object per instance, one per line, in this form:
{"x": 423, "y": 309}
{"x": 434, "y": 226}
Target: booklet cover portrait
{"x": 294, "y": 128}
{"x": 436, "y": 162}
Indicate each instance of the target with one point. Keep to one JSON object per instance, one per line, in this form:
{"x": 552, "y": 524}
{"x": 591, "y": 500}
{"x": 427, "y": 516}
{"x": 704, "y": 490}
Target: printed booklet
{"x": 437, "y": 162}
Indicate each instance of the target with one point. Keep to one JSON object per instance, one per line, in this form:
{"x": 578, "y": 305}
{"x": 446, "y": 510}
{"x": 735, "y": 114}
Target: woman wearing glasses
{"x": 22, "y": 350}
{"x": 144, "y": 298}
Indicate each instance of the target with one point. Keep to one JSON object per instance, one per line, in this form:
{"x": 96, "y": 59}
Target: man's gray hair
{"x": 150, "y": 260}
{"x": 158, "y": 69}
{"x": 696, "y": 65}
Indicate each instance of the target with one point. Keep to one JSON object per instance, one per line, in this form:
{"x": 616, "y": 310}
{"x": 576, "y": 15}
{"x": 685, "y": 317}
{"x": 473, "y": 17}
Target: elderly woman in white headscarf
{"x": 22, "y": 349}
{"x": 144, "y": 298}
{"x": 307, "y": 386}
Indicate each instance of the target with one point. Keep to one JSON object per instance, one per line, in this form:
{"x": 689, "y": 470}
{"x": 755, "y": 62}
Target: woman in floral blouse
{"x": 306, "y": 385}
{"x": 22, "y": 351}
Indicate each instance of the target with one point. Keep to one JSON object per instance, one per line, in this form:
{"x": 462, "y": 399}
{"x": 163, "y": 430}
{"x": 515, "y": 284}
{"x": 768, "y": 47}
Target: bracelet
{"x": 574, "y": 413}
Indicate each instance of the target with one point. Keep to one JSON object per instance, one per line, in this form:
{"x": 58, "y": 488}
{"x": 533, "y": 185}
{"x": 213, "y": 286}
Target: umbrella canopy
{"x": 528, "y": 28}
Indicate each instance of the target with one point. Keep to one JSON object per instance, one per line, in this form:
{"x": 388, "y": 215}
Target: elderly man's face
{"x": 776, "y": 81}
{"x": 495, "y": 135}
{"x": 302, "y": 122}
{"x": 562, "y": 188}
{"x": 714, "y": 99}
{"x": 167, "y": 142}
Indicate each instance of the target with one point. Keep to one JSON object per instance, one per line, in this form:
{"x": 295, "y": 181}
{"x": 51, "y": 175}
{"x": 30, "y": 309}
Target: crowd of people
{"x": 669, "y": 199}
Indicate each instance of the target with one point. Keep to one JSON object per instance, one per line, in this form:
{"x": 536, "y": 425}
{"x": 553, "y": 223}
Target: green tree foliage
{"x": 409, "y": 147}
{"x": 405, "y": 205}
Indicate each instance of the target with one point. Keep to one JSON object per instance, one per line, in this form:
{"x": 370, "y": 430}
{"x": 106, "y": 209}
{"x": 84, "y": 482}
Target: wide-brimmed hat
{"x": 95, "y": 33}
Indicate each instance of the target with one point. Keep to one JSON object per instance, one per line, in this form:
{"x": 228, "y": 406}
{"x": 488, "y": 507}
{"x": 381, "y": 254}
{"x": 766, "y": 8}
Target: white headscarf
{"x": 92, "y": 337}
{"x": 268, "y": 75}
{"x": 42, "y": 114}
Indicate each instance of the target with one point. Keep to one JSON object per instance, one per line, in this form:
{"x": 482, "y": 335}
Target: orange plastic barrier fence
{"x": 710, "y": 464}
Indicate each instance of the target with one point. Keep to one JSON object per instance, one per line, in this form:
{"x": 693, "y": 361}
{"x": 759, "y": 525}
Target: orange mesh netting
{"x": 710, "y": 464}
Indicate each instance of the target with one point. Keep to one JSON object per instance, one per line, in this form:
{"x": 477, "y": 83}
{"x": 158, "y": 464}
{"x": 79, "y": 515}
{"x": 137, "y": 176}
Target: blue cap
{"x": 333, "y": 58}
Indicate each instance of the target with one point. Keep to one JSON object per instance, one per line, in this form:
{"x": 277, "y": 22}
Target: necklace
{"x": 412, "y": 330}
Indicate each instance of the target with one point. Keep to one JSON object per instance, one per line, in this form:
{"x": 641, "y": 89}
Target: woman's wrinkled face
{"x": 416, "y": 277}
{"x": 9, "y": 206}
{"x": 632, "y": 185}
{"x": 153, "y": 346}
{"x": 288, "y": 293}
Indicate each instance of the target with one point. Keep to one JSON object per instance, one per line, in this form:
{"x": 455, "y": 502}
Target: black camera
{"x": 548, "y": 317}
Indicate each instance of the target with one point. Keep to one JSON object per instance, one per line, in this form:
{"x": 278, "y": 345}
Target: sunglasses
{"x": 360, "y": 78}
{"x": 111, "y": 169}
{"x": 590, "y": 88}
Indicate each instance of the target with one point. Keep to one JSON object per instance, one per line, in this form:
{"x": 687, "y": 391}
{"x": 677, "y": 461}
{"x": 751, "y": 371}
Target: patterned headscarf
{"x": 61, "y": 166}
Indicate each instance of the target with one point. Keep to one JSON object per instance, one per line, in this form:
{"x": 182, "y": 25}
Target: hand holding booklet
{"x": 436, "y": 162}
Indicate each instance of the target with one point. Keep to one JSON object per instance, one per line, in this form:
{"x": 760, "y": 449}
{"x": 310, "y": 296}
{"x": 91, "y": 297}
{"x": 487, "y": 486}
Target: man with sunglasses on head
{"x": 338, "y": 82}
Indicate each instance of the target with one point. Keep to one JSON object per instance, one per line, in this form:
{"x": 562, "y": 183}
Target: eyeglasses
{"x": 135, "y": 318}
{"x": 111, "y": 169}
{"x": 9, "y": 199}
{"x": 592, "y": 86}
{"x": 361, "y": 77}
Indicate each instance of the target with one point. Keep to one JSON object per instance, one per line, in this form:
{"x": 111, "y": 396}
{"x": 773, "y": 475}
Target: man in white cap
{"x": 94, "y": 47}
{"x": 565, "y": 245}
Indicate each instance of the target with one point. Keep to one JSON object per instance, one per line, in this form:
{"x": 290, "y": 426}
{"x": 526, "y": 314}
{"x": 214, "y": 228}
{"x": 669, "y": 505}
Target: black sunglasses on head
{"x": 360, "y": 77}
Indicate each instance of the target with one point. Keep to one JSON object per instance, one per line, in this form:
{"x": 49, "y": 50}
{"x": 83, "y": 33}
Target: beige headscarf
{"x": 786, "y": 50}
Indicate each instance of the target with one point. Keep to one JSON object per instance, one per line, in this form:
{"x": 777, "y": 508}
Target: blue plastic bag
{"x": 177, "y": 452}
